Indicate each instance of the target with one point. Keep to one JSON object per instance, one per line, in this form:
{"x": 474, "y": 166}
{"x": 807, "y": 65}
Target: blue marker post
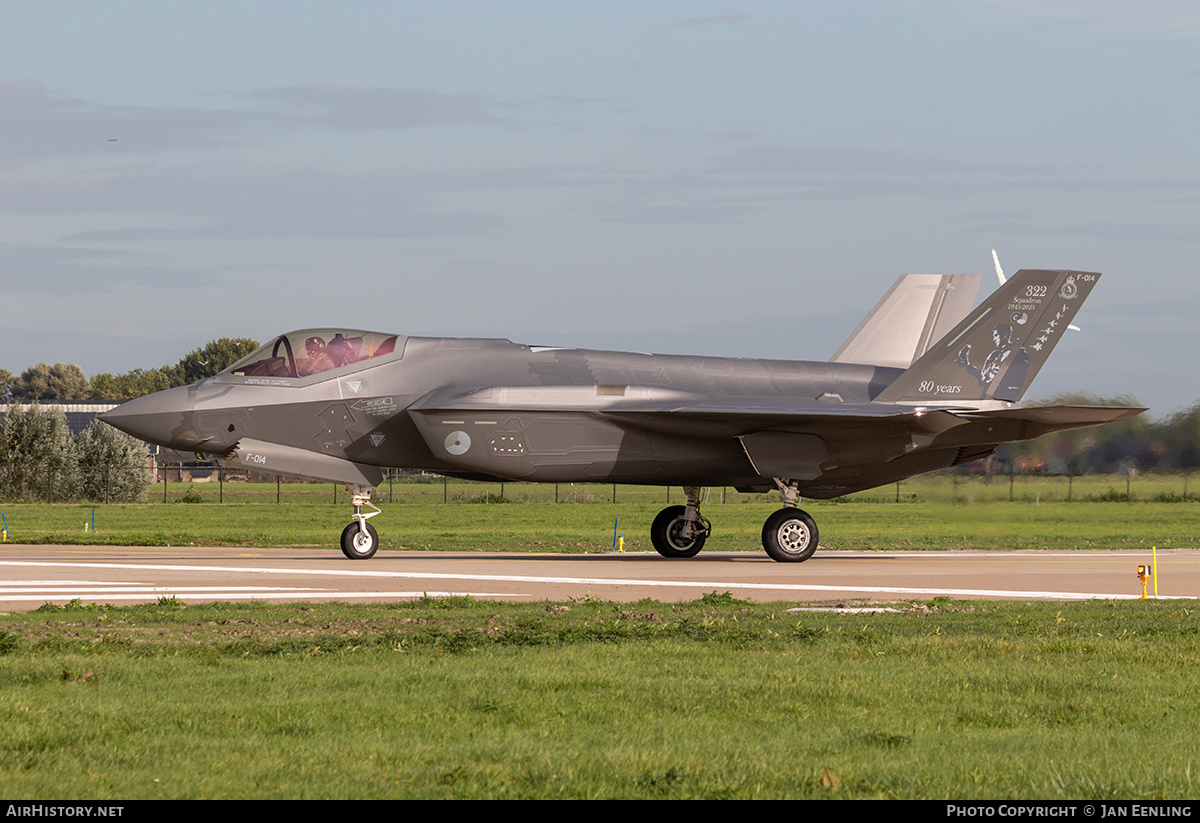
{"x": 4, "y": 531}
{"x": 615, "y": 533}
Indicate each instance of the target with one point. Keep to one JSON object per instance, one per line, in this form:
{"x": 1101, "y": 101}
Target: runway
{"x": 33, "y": 575}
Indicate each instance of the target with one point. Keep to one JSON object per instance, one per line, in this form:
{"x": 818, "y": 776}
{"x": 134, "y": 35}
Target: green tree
{"x": 117, "y": 388}
{"x": 37, "y": 455}
{"x": 1180, "y": 436}
{"x": 113, "y": 467}
{"x": 64, "y": 382}
{"x": 215, "y": 356}
{"x": 196, "y": 365}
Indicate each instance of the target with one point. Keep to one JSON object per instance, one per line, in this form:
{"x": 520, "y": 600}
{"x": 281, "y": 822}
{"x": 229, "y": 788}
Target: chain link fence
{"x": 198, "y": 483}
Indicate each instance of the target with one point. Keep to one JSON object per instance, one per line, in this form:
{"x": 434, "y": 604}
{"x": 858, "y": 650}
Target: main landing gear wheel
{"x": 666, "y": 533}
{"x": 790, "y": 536}
{"x": 360, "y": 542}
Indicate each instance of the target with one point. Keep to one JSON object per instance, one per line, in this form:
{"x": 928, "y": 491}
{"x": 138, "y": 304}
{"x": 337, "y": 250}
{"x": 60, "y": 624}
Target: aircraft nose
{"x": 156, "y": 418}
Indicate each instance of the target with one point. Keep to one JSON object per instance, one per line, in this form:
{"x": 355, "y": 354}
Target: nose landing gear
{"x": 360, "y": 541}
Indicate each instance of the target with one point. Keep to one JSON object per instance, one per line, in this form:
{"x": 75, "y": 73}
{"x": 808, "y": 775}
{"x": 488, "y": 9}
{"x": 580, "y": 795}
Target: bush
{"x": 39, "y": 459}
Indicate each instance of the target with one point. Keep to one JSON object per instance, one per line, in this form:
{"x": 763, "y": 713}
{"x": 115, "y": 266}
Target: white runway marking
{"x": 588, "y": 581}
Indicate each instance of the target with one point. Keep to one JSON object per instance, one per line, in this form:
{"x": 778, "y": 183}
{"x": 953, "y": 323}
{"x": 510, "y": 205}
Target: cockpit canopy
{"x": 313, "y": 351}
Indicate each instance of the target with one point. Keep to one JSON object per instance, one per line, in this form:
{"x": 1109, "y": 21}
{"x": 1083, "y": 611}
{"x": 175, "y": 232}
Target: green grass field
{"x": 934, "y": 513}
{"x": 711, "y": 699}
{"x": 716, "y": 698}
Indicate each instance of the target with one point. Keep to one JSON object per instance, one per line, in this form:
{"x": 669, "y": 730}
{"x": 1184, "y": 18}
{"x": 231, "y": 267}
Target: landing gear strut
{"x": 789, "y": 535}
{"x": 680, "y": 531}
{"x": 360, "y": 541}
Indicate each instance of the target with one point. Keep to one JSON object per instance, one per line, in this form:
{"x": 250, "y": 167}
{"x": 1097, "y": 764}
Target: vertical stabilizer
{"x": 997, "y": 350}
{"x": 917, "y": 310}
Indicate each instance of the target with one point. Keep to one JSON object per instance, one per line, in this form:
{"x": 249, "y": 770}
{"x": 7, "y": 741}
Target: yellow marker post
{"x": 621, "y": 543}
{"x": 1144, "y": 573}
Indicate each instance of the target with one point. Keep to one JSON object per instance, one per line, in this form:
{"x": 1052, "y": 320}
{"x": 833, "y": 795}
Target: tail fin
{"x": 916, "y": 311}
{"x": 998, "y": 349}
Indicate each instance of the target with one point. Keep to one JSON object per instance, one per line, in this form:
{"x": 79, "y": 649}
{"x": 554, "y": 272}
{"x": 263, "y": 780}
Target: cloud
{"x": 712, "y": 20}
{"x": 1107, "y": 19}
{"x": 57, "y": 271}
{"x": 355, "y": 109}
{"x": 238, "y": 200}
{"x": 814, "y": 160}
{"x": 40, "y": 124}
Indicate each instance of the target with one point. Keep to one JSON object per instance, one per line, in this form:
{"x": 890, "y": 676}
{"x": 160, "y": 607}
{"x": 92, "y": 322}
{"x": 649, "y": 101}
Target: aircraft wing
{"x": 779, "y": 437}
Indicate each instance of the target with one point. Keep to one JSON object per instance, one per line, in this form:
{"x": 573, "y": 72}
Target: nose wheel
{"x": 360, "y": 541}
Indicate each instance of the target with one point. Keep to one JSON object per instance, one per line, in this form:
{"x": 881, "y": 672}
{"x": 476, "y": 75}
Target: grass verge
{"x": 713, "y": 698}
{"x": 589, "y": 528}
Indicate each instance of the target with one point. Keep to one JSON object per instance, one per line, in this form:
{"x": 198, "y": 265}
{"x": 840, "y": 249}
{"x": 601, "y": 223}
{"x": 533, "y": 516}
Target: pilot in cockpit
{"x": 319, "y": 357}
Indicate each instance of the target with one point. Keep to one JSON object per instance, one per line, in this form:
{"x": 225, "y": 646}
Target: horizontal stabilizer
{"x": 1046, "y": 419}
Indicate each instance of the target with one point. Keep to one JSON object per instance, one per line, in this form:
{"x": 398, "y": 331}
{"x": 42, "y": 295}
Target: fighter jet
{"x": 924, "y": 383}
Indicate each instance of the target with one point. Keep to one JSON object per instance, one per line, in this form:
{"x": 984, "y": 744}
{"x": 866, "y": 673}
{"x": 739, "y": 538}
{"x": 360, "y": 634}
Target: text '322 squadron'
{"x": 922, "y": 384}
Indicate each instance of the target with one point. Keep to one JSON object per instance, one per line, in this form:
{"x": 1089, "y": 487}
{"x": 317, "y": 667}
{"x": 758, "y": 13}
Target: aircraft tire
{"x": 356, "y": 545}
{"x": 790, "y": 536}
{"x": 664, "y": 534}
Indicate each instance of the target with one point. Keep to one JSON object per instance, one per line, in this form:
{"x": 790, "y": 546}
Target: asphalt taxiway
{"x": 33, "y": 575}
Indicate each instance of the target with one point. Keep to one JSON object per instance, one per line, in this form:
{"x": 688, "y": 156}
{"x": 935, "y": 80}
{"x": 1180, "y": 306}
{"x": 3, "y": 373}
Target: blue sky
{"x": 739, "y": 179}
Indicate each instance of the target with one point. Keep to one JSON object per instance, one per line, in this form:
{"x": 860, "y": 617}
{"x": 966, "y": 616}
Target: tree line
{"x": 67, "y": 383}
{"x": 1139, "y": 444}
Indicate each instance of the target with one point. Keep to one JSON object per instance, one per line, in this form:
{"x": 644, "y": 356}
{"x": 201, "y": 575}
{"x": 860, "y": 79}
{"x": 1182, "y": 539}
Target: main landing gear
{"x": 789, "y": 535}
{"x": 360, "y": 541}
{"x": 680, "y": 531}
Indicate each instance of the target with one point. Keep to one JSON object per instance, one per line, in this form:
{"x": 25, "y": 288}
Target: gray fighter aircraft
{"x": 922, "y": 384}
